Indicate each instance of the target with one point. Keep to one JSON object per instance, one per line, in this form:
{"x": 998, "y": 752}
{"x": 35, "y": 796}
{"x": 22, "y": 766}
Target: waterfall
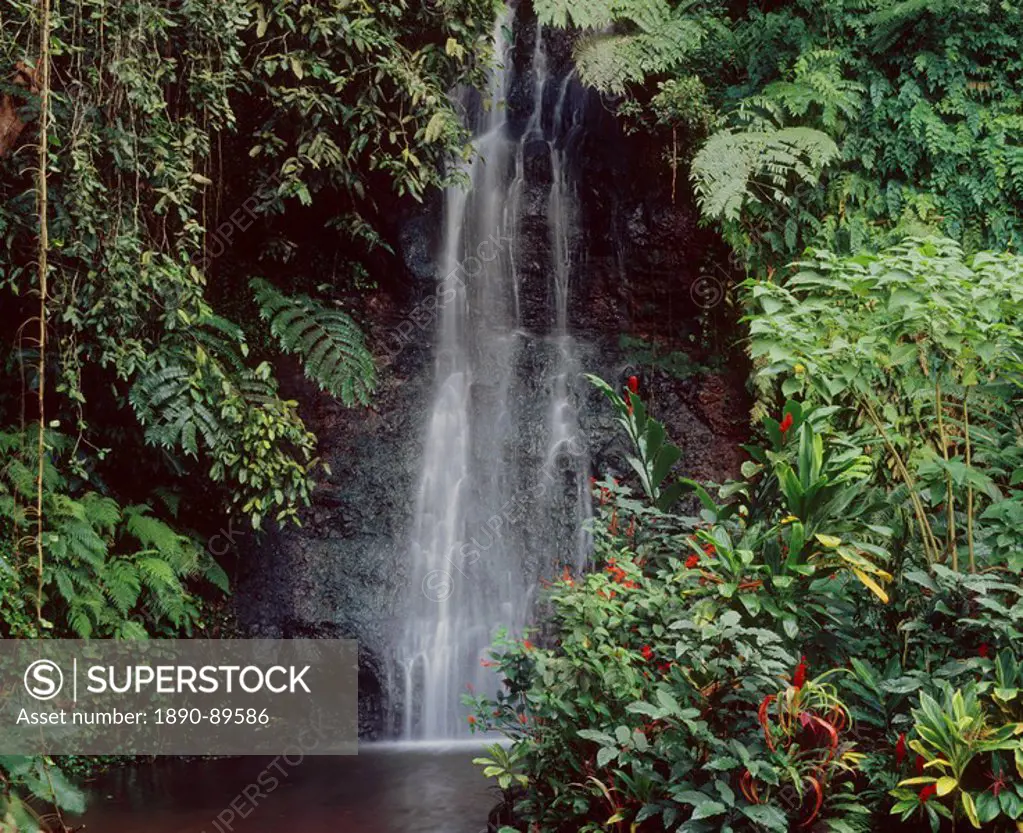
{"x": 503, "y": 493}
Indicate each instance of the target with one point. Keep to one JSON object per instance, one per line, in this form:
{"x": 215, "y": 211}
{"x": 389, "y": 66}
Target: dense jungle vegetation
{"x": 832, "y": 643}
{"x": 169, "y": 172}
{"x": 190, "y": 190}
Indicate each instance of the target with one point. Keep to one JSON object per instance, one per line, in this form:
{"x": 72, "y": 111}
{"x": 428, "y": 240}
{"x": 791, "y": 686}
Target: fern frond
{"x": 213, "y": 572}
{"x": 732, "y": 169}
{"x": 80, "y": 622}
{"x": 330, "y": 343}
{"x": 593, "y": 14}
{"x": 609, "y": 62}
{"x": 122, "y": 585}
{"x": 131, "y": 630}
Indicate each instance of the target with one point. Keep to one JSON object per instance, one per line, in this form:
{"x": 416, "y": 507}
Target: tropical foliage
{"x": 768, "y": 663}
{"x": 909, "y": 111}
{"x": 159, "y": 161}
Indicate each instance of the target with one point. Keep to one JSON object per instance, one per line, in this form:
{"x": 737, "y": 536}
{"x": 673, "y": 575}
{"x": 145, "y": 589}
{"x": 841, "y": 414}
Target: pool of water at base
{"x": 386, "y": 788}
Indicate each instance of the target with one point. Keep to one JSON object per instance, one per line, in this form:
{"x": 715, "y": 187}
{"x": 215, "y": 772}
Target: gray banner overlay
{"x": 178, "y": 697}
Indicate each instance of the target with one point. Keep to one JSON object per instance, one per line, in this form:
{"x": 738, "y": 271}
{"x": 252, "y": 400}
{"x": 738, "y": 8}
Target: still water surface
{"x": 387, "y": 788}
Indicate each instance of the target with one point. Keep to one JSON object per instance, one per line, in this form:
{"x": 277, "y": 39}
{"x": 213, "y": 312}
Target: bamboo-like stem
{"x": 969, "y": 484}
{"x": 930, "y": 543}
{"x": 42, "y": 198}
{"x": 674, "y": 162}
{"x": 950, "y": 538}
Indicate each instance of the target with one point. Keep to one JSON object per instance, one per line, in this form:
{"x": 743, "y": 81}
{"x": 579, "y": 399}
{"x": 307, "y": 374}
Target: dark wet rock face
{"x": 636, "y": 256}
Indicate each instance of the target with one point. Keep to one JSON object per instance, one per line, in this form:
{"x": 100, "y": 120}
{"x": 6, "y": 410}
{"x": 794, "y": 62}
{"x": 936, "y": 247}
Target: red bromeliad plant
{"x": 804, "y": 728}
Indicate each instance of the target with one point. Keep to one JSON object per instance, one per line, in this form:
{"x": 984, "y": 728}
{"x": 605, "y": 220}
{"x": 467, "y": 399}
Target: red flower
{"x": 523, "y": 719}
{"x": 634, "y": 384}
{"x": 708, "y": 549}
{"x": 900, "y": 749}
{"x": 692, "y": 561}
{"x": 919, "y": 764}
{"x": 786, "y": 423}
{"x": 799, "y": 677}
{"x": 983, "y": 650}
{"x": 664, "y": 667}
{"x": 527, "y": 645}
{"x": 617, "y": 573}
{"x": 927, "y": 792}
{"x": 472, "y": 720}
{"x": 647, "y": 652}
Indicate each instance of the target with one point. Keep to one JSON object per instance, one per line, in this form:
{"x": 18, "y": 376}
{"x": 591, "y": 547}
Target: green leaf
{"x": 767, "y": 816}
{"x": 708, "y": 809}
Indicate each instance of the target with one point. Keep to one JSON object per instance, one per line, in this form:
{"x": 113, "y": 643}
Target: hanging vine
{"x": 44, "y": 247}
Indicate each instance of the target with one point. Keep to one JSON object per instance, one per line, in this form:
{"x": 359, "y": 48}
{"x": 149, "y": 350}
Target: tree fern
{"x": 734, "y": 168}
{"x": 625, "y": 40}
{"x": 593, "y": 14}
{"x": 331, "y": 345}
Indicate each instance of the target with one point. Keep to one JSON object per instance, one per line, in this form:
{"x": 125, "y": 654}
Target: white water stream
{"x": 483, "y": 500}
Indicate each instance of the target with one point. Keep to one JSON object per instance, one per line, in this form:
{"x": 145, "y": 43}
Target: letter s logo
{"x": 43, "y": 679}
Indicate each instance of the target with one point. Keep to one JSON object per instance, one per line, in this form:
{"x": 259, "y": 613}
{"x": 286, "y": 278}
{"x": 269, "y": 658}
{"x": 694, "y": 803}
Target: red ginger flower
{"x": 927, "y": 792}
{"x": 799, "y": 677}
{"x": 983, "y": 650}
{"x": 472, "y": 720}
{"x": 527, "y": 645}
{"x": 919, "y": 764}
{"x": 634, "y": 384}
{"x": 786, "y": 423}
{"x": 647, "y": 652}
{"x": 692, "y": 561}
{"x": 900, "y": 749}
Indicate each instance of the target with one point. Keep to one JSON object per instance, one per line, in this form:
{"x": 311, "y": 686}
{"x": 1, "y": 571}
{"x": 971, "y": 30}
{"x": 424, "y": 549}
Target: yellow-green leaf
{"x": 920, "y": 779}
{"x": 871, "y": 585}
{"x": 945, "y": 785}
{"x": 262, "y": 23}
{"x": 971, "y": 810}
{"x": 829, "y": 541}
{"x": 454, "y": 49}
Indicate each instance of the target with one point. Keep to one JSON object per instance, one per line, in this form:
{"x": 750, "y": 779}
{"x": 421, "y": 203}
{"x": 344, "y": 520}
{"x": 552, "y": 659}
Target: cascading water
{"x": 493, "y": 506}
